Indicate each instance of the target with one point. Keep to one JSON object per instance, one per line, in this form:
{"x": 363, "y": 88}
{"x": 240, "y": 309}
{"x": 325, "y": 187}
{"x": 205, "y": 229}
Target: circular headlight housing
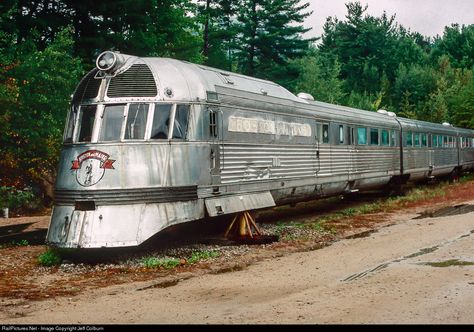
{"x": 106, "y": 61}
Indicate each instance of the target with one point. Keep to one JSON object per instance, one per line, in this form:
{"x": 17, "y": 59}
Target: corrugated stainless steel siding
{"x": 444, "y": 157}
{"x": 255, "y": 162}
{"x": 241, "y": 162}
{"x": 359, "y": 160}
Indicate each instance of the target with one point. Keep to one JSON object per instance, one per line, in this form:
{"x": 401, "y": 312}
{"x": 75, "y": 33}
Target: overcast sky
{"x": 428, "y": 17}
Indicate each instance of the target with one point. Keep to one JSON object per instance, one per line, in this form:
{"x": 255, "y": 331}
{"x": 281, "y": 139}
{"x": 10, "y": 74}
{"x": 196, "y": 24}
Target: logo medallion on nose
{"x": 90, "y": 167}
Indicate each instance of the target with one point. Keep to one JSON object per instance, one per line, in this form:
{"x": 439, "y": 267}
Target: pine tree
{"x": 270, "y": 35}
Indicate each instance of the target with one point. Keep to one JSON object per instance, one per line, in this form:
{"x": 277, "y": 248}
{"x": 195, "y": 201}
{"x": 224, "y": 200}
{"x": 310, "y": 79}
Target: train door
{"x": 352, "y": 169}
{"x": 431, "y": 153}
{"x": 215, "y": 133}
{"x": 317, "y": 142}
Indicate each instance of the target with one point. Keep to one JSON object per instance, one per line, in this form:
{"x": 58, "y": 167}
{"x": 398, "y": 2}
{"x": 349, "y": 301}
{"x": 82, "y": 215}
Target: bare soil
{"x": 23, "y": 282}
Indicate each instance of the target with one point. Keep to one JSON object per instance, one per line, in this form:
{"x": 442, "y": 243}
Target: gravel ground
{"x": 23, "y": 279}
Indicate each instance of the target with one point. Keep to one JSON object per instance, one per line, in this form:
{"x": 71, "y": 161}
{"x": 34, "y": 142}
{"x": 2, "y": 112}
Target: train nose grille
{"x": 88, "y": 199}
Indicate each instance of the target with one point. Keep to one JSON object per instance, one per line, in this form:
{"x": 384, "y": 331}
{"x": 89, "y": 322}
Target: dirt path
{"x": 382, "y": 278}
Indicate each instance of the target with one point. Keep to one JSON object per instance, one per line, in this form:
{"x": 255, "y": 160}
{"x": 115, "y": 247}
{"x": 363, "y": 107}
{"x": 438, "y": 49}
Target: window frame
{"x": 358, "y": 136}
{"x": 77, "y": 128}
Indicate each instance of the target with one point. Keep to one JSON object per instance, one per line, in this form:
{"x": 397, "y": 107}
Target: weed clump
{"x": 49, "y": 258}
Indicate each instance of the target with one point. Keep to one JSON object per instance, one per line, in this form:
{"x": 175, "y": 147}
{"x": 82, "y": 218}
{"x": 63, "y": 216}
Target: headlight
{"x": 108, "y": 60}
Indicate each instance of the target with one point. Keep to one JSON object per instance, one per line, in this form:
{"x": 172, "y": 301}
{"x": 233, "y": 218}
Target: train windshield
{"x": 161, "y": 122}
{"x": 136, "y": 121}
{"x": 111, "y": 123}
{"x": 86, "y": 123}
{"x": 180, "y": 121}
{"x": 124, "y": 122}
{"x": 161, "y": 119}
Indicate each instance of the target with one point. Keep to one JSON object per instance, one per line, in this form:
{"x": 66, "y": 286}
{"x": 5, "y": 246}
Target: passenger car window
{"x": 361, "y": 136}
{"x": 111, "y": 123}
{"x": 393, "y": 138}
{"x": 374, "y": 136}
{"x": 325, "y": 133}
{"x": 181, "y": 121}
{"x": 341, "y": 134}
{"x": 435, "y": 141}
{"x": 86, "y": 122}
{"x": 136, "y": 121}
{"x": 409, "y": 139}
{"x": 417, "y": 139}
{"x": 423, "y": 140}
{"x": 385, "y": 138}
{"x": 161, "y": 115}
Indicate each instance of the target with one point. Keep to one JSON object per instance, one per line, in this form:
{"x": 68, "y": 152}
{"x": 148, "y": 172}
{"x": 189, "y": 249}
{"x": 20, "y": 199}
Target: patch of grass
{"x": 197, "y": 256}
{"x": 49, "y": 258}
{"x": 320, "y": 225}
{"x": 20, "y": 243}
{"x": 451, "y": 262}
{"x": 155, "y": 262}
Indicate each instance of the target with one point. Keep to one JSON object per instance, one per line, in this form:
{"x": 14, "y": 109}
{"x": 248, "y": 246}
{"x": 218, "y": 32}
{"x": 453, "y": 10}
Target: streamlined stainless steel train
{"x": 154, "y": 142}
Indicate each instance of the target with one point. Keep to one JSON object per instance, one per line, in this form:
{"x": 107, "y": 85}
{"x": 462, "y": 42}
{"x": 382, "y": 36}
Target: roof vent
{"x": 304, "y": 95}
{"x": 393, "y": 115}
{"x": 382, "y": 112}
{"x": 446, "y": 124}
{"x": 137, "y": 81}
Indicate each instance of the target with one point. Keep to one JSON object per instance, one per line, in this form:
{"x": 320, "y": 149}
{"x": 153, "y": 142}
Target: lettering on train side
{"x": 263, "y": 126}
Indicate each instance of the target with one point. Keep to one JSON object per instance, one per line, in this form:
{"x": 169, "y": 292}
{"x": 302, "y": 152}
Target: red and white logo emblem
{"x": 90, "y": 167}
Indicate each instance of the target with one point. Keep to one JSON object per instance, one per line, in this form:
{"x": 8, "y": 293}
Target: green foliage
{"x": 16, "y": 200}
{"x": 21, "y": 243}
{"x": 320, "y": 77}
{"x": 49, "y": 258}
{"x": 457, "y": 43}
{"x": 34, "y": 102}
{"x": 154, "y": 262}
{"x": 197, "y": 256}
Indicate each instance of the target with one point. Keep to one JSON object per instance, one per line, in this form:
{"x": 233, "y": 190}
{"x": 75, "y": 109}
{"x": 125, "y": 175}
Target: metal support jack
{"x": 242, "y": 227}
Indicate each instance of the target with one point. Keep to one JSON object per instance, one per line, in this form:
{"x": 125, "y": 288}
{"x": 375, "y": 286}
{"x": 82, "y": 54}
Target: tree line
{"x": 363, "y": 61}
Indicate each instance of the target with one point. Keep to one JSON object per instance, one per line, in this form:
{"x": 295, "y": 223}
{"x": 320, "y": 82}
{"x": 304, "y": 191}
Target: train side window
{"x": 361, "y": 136}
{"x": 111, "y": 123}
{"x": 325, "y": 133}
{"x": 445, "y": 141}
{"x": 385, "y": 138}
{"x": 86, "y": 123}
{"x": 71, "y": 121}
{"x": 450, "y": 144}
{"x": 409, "y": 139}
{"x": 136, "y": 121}
{"x": 213, "y": 123}
{"x": 161, "y": 119}
{"x": 417, "y": 139}
{"x": 435, "y": 141}
{"x": 393, "y": 138}
{"x": 341, "y": 134}
{"x": 423, "y": 140}
{"x": 374, "y": 136}
{"x": 180, "y": 127}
